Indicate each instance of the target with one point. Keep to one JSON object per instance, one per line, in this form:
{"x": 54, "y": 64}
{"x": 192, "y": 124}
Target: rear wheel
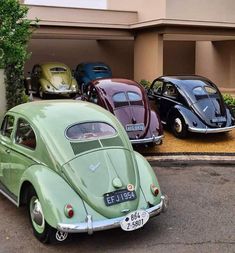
{"x": 42, "y": 95}
{"x": 178, "y": 126}
{"x": 41, "y": 229}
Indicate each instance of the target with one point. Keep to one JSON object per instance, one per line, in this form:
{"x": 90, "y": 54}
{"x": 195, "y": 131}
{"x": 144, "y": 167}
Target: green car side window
{"x": 90, "y": 130}
{"x": 25, "y": 135}
{"x": 7, "y": 126}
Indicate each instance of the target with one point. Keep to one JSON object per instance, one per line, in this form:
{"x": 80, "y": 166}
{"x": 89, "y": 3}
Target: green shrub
{"x": 1, "y": 58}
{"x": 230, "y": 102}
{"x": 15, "y": 32}
{"x": 145, "y": 83}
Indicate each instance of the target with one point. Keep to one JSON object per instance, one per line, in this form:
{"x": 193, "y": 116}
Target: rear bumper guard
{"x": 91, "y": 226}
{"x": 210, "y": 130}
{"x": 153, "y": 139}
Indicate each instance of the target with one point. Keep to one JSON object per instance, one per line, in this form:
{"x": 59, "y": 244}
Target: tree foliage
{"x": 15, "y": 32}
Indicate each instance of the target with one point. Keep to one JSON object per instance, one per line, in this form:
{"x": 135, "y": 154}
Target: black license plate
{"x": 116, "y": 197}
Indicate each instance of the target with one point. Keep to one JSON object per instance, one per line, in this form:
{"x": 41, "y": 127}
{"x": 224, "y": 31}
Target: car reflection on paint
{"x": 190, "y": 104}
{"x": 73, "y": 166}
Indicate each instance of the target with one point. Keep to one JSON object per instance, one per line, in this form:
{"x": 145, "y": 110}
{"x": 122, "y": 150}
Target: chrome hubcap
{"x": 40, "y": 92}
{"x": 178, "y": 125}
{"x": 37, "y": 215}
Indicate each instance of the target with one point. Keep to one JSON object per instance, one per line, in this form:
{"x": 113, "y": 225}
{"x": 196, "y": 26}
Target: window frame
{"x": 90, "y": 139}
{"x": 4, "y": 126}
{"x": 24, "y": 142}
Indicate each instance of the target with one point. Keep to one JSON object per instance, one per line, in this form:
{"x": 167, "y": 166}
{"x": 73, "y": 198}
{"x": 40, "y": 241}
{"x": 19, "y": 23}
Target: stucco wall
{"x": 216, "y": 60}
{"x": 147, "y": 10}
{"x": 179, "y": 57}
{"x": 203, "y": 10}
{"x": 118, "y": 54}
{"x": 200, "y": 10}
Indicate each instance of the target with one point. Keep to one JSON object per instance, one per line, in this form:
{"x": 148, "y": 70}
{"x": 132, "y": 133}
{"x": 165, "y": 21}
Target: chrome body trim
{"x": 9, "y": 197}
{"x": 91, "y": 226}
{"x": 210, "y": 130}
{"x": 153, "y": 139}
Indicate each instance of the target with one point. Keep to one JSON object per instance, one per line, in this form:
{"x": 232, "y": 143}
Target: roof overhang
{"x": 78, "y": 23}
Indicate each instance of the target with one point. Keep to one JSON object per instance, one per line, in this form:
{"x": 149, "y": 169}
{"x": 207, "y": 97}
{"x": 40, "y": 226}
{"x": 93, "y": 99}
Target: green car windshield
{"x": 90, "y": 131}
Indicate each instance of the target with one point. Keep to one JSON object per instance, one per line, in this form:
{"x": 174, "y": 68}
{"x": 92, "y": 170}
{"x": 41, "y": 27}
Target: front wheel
{"x": 178, "y": 126}
{"x": 41, "y": 229}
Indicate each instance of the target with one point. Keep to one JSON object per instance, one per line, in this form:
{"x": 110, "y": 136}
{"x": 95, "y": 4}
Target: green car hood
{"x": 96, "y": 173}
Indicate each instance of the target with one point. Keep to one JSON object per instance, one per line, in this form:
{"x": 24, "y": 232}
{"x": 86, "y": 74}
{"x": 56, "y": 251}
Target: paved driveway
{"x": 200, "y": 219}
{"x": 196, "y": 143}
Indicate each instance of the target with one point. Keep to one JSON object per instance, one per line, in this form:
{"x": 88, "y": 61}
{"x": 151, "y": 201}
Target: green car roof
{"x": 51, "y": 118}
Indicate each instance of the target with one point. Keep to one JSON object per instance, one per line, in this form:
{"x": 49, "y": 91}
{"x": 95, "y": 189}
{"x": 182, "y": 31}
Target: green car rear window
{"x": 90, "y": 131}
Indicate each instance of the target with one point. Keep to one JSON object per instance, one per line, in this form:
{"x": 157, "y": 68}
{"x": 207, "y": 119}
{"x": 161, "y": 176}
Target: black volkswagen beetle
{"x": 190, "y": 104}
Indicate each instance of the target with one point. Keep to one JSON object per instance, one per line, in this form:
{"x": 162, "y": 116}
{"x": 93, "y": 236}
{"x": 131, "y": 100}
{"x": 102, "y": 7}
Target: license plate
{"x": 134, "y": 220}
{"x": 116, "y": 197}
{"x": 64, "y": 87}
{"x": 135, "y": 127}
{"x": 218, "y": 119}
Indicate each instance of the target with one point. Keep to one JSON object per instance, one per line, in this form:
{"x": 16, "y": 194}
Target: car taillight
{"x": 68, "y": 210}
{"x": 154, "y": 190}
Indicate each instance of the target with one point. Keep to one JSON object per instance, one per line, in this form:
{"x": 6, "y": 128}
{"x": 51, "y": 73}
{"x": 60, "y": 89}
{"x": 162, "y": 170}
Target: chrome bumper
{"x": 60, "y": 92}
{"x": 210, "y": 130}
{"x": 153, "y": 139}
{"x": 91, "y": 226}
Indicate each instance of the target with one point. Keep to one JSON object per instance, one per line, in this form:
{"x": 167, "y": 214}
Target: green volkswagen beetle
{"x": 71, "y": 163}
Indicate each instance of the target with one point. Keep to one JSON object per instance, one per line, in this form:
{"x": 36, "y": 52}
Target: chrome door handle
{"x": 8, "y": 151}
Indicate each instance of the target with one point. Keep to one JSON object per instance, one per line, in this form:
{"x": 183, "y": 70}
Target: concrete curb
{"x": 179, "y": 160}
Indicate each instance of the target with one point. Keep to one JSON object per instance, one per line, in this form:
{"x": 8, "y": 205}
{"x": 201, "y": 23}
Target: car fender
{"x": 54, "y": 193}
{"x": 191, "y": 120}
{"x": 230, "y": 117}
{"x": 84, "y": 80}
{"x": 45, "y": 84}
{"x": 74, "y": 83}
{"x": 147, "y": 178}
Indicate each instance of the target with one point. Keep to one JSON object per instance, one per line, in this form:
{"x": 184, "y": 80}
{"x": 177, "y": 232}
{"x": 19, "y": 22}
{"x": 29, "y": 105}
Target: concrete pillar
{"x": 148, "y": 55}
{"x": 2, "y": 94}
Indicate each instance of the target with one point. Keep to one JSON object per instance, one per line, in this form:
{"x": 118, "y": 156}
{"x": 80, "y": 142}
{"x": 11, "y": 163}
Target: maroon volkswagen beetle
{"x": 127, "y": 100}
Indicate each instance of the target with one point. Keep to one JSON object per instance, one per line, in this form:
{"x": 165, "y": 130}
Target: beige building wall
{"x": 73, "y": 35}
{"x": 117, "y": 54}
{"x": 196, "y": 10}
{"x": 179, "y": 58}
{"x": 201, "y": 10}
{"x": 148, "y": 56}
{"x": 216, "y": 60}
{"x": 147, "y": 10}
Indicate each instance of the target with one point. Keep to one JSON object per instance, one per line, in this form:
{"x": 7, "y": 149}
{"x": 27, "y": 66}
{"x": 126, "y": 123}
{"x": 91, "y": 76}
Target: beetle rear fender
{"x": 45, "y": 84}
{"x": 147, "y": 178}
{"x": 74, "y": 83}
{"x": 54, "y": 194}
{"x": 191, "y": 120}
